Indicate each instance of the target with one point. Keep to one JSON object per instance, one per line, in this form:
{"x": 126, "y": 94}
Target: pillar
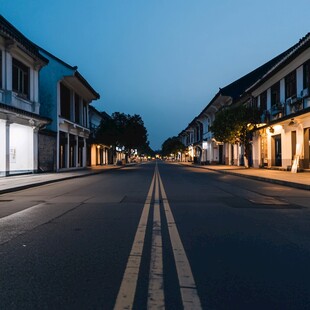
{"x": 67, "y": 156}
{"x": 76, "y": 151}
{"x": 7, "y": 148}
{"x": 84, "y": 153}
{"x": 35, "y": 149}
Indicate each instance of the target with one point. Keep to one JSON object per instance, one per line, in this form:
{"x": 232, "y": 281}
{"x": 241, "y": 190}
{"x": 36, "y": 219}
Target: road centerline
{"x": 190, "y": 298}
{"x": 127, "y": 291}
{"x": 156, "y": 299}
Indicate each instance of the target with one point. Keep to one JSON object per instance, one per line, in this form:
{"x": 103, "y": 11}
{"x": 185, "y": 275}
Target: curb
{"x": 22, "y": 187}
{"x": 257, "y": 178}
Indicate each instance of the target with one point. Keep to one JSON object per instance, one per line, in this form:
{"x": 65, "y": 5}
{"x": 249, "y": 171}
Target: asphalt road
{"x": 155, "y": 236}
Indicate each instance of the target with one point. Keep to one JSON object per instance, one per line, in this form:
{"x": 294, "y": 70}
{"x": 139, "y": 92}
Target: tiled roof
{"x": 254, "y": 78}
{"x": 241, "y": 86}
{"x": 74, "y": 68}
{"x": 291, "y": 53}
{"x": 11, "y": 32}
{"x": 103, "y": 114}
{"x": 25, "y": 113}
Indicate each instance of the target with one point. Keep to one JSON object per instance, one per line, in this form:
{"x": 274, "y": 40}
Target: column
{"x": 67, "y": 155}
{"x": 104, "y": 156}
{"x": 7, "y": 148}
{"x": 84, "y": 153}
{"x": 57, "y": 151}
{"x": 35, "y": 149}
{"x": 76, "y": 151}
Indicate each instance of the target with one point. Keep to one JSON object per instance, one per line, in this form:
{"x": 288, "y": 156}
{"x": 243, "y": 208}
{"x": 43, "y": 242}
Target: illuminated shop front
{"x": 19, "y": 139}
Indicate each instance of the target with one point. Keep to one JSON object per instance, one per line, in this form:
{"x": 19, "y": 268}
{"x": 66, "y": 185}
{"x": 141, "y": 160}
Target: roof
{"x": 74, "y": 69}
{"x": 244, "y": 84}
{"x": 25, "y": 113}
{"x": 8, "y": 30}
{"x": 287, "y": 57}
{"x": 103, "y": 114}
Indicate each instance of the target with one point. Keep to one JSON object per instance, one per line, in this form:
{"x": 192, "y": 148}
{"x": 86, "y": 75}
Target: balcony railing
{"x": 13, "y": 99}
{"x": 279, "y": 110}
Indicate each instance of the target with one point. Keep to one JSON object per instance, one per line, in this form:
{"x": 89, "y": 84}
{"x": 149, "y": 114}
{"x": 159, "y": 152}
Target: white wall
{"x": 21, "y": 148}
{"x": 2, "y": 148}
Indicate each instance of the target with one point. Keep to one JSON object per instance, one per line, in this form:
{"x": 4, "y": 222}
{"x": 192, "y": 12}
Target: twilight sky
{"x": 161, "y": 59}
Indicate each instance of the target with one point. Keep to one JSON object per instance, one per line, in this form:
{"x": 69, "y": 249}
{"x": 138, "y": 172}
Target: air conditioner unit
{"x": 293, "y": 99}
{"x": 305, "y": 92}
{"x": 288, "y": 100}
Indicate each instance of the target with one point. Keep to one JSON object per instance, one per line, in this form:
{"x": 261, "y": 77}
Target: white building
{"x": 283, "y": 97}
{"x": 20, "y": 63}
{"x": 198, "y": 136}
{"x": 65, "y": 96}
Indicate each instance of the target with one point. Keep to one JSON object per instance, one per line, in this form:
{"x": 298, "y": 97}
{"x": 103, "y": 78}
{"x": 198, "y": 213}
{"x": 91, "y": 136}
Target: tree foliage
{"x": 172, "y": 145}
{"x": 124, "y": 131}
{"x": 235, "y": 125}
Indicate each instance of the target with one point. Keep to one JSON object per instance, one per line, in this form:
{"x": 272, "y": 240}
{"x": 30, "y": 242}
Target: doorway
{"x": 307, "y": 148}
{"x": 277, "y": 152}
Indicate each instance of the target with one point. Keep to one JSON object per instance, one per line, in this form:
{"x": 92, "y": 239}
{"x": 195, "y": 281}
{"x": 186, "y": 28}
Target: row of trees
{"x": 231, "y": 125}
{"x": 124, "y": 131}
{"x": 172, "y": 145}
{"x": 236, "y": 125}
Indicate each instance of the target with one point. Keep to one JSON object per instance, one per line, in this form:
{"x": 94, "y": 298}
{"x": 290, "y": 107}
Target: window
{"x": 275, "y": 94}
{"x": 20, "y": 79}
{"x": 307, "y": 74}
{"x": 263, "y": 101}
{"x": 64, "y": 101}
{"x": 77, "y": 108}
{"x": 1, "y": 86}
{"x": 290, "y": 85}
{"x": 85, "y": 121}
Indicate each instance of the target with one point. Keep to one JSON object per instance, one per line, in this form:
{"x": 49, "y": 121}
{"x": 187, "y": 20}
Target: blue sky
{"x": 164, "y": 60}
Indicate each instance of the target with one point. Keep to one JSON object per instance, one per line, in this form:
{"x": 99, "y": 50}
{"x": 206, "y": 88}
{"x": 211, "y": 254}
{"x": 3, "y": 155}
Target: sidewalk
{"x": 298, "y": 180}
{"x": 19, "y": 182}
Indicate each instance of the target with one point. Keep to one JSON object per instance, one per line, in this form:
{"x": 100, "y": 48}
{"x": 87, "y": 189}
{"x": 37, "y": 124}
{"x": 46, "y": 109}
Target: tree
{"x": 124, "y": 131}
{"x": 172, "y": 145}
{"x": 135, "y": 133}
{"x": 145, "y": 150}
{"x": 107, "y": 133}
{"x": 235, "y": 125}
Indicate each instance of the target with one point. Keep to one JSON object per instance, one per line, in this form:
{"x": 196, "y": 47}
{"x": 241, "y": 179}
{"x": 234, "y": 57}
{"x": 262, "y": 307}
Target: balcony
{"x": 277, "y": 109}
{"x": 13, "y": 99}
{"x": 294, "y": 104}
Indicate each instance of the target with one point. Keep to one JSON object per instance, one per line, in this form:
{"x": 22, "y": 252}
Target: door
{"x": 277, "y": 150}
{"x": 307, "y": 148}
{"x": 221, "y": 154}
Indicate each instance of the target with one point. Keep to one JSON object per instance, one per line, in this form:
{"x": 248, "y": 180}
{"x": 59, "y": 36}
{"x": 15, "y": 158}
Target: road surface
{"x": 156, "y": 235}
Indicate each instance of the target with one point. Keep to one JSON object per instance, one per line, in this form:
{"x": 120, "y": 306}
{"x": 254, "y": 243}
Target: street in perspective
{"x": 154, "y": 155}
{"x": 155, "y": 235}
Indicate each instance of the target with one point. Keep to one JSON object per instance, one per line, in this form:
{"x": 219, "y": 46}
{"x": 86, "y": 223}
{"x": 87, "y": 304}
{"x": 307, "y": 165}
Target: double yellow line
{"x": 126, "y": 295}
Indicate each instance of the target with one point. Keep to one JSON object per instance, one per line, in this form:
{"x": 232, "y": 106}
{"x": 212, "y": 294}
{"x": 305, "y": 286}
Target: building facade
{"x": 280, "y": 90}
{"x": 20, "y": 122}
{"x": 283, "y": 98}
{"x": 99, "y": 153}
{"x": 66, "y": 96}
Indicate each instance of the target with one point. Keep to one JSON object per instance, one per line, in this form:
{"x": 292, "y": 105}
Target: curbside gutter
{"x": 63, "y": 178}
{"x": 254, "y": 177}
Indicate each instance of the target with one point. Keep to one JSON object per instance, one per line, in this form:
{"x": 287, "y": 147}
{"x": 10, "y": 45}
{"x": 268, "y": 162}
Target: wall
{"x": 50, "y": 75}
{"x": 2, "y": 148}
{"x": 21, "y": 148}
{"x": 47, "y": 151}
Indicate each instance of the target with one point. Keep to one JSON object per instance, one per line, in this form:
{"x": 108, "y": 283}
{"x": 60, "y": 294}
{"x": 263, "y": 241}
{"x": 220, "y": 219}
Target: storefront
{"x": 19, "y": 137}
